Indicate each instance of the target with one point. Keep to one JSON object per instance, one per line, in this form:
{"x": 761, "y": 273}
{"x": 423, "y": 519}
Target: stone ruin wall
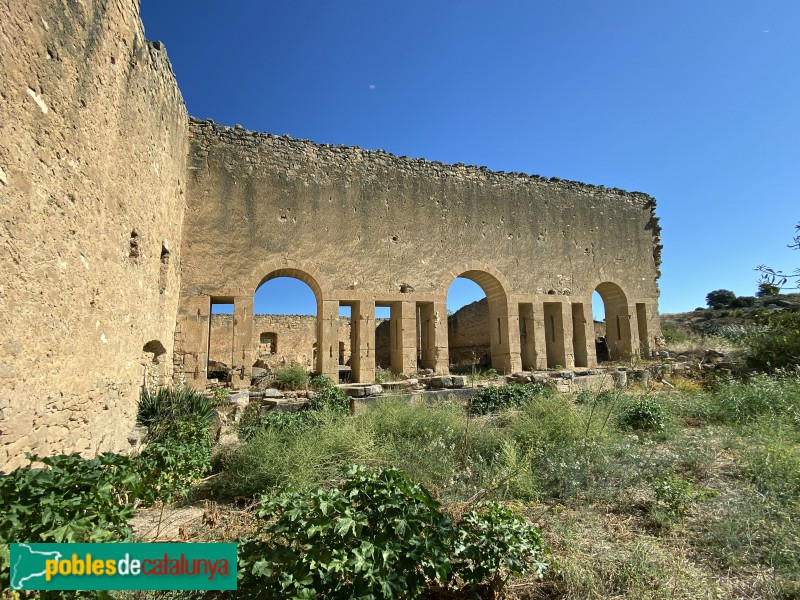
{"x": 365, "y": 228}
{"x": 468, "y": 335}
{"x": 296, "y": 340}
{"x": 107, "y": 189}
{"x": 93, "y": 140}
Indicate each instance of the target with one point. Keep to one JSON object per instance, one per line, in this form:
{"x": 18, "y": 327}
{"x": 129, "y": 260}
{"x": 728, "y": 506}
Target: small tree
{"x": 766, "y": 289}
{"x": 780, "y": 278}
{"x": 720, "y": 298}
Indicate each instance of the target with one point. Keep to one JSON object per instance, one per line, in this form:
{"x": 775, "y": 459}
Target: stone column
{"x": 539, "y": 339}
{"x": 527, "y": 338}
{"x": 427, "y": 343}
{"x": 619, "y": 332}
{"x": 362, "y": 335}
{"x": 433, "y": 327}
{"x": 403, "y": 336}
{"x": 242, "y": 360}
{"x": 191, "y": 340}
{"x": 569, "y": 350}
{"x": 328, "y": 338}
{"x": 583, "y": 335}
{"x": 504, "y": 336}
{"x": 558, "y": 334}
{"x": 441, "y": 364}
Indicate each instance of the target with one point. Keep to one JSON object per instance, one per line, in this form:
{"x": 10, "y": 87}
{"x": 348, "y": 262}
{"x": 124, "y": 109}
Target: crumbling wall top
{"x": 291, "y": 148}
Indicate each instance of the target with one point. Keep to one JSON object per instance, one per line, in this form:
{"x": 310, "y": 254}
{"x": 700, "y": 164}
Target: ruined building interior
{"x": 123, "y": 222}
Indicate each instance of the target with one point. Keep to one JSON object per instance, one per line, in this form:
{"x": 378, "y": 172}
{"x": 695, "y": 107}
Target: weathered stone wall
{"x": 95, "y": 153}
{"x": 370, "y": 221}
{"x": 468, "y": 334}
{"x": 365, "y": 227}
{"x": 93, "y": 143}
{"x": 296, "y": 337}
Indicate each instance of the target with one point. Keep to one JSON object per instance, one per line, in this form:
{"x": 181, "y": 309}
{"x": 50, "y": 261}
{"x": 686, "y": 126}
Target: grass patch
{"x": 700, "y": 504}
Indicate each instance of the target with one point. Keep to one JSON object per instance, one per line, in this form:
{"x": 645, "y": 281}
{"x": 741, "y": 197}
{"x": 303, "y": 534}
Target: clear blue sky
{"x": 696, "y": 103}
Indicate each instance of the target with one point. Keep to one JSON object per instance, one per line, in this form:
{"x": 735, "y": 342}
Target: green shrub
{"x": 254, "y": 421}
{"x": 167, "y": 405}
{"x": 777, "y": 347}
{"x": 219, "y": 395}
{"x": 497, "y": 398}
{"x": 676, "y": 493}
{"x": 380, "y": 535}
{"x": 176, "y": 455}
{"x": 330, "y": 398}
{"x": 720, "y": 298}
{"x": 178, "y": 443}
{"x": 743, "y": 302}
{"x": 327, "y": 398}
{"x": 70, "y": 499}
{"x": 319, "y": 382}
{"x": 277, "y": 458}
{"x": 643, "y": 414}
{"x": 495, "y": 543}
{"x": 292, "y": 377}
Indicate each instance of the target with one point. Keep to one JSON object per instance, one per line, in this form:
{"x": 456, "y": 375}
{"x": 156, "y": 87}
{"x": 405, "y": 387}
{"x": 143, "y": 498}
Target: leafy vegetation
{"x": 720, "y": 298}
{"x": 496, "y": 398}
{"x": 676, "y": 493}
{"x": 327, "y": 398}
{"x": 292, "y": 377}
{"x": 178, "y": 443}
{"x": 379, "y": 535}
{"x": 643, "y": 413}
{"x": 691, "y": 492}
{"x": 777, "y": 346}
{"x": 68, "y": 499}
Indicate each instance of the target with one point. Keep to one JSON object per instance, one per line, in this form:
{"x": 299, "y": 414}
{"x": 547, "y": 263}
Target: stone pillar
{"x": 591, "y": 336}
{"x": 433, "y": 336}
{"x": 242, "y": 359}
{"x": 539, "y": 339}
{"x": 648, "y": 326}
{"x": 619, "y": 333}
{"x": 558, "y": 335}
{"x": 583, "y": 335}
{"x": 504, "y": 336}
{"x": 569, "y": 351}
{"x": 362, "y": 336}
{"x": 633, "y": 330}
{"x": 527, "y": 338}
{"x": 403, "y": 336}
{"x": 328, "y": 338}
{"x": 191, "y": 347}
{"x": 441, "y": 347}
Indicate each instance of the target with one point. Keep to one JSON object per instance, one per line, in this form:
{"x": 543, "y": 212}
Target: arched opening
{"x": 613, "y": 334}
{"x": 479, "y": 323}
{"x": 153, "y": 365}
{"x": 468, "y": 339}
{"x": 284, "y": 322}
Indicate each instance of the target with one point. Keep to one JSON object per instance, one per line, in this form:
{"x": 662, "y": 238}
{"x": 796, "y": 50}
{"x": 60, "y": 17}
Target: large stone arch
{"x": 302, "y": 270}
{"x": 327, "y": 342}
{"x": 503, "y": 316}
{"x": 621, "y": 335}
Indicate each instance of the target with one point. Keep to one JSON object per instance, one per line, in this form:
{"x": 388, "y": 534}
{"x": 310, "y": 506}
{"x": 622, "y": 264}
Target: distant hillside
{"x": 707, "y": 321}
